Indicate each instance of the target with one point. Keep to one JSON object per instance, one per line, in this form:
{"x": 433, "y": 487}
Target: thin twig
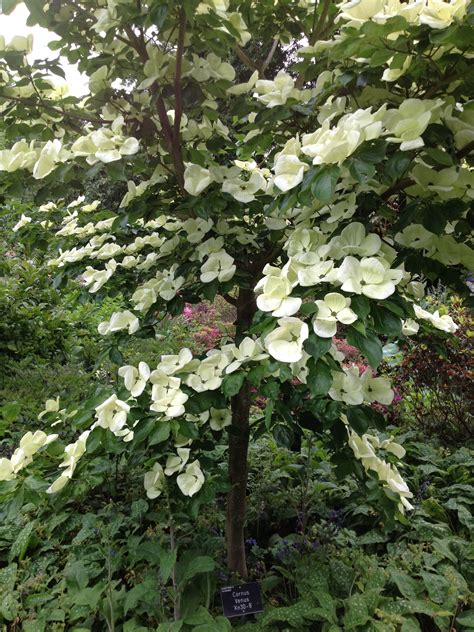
{"x": 269, "y": 57}
{"x": 245, "y": 59}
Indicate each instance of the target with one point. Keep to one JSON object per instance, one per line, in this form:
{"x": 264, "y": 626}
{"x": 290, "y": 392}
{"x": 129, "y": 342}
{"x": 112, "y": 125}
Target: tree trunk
{"x": 238, "y": 448}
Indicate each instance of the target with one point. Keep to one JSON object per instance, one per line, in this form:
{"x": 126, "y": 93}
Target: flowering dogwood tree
{"x": 318, "y": 199}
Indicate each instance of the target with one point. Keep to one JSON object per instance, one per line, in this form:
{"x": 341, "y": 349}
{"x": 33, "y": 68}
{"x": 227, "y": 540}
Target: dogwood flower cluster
{"x": 103, "y": 145}
{"x": 279, "y": 90}
{"x": 30, "y": 444}
{"x": 190, "y": 478}
{"x": 106, "y": 144}
{"x": 18, "y": 43}
{"x": 364, "y": 448}
{"x": 332, "y": 309}
{"x": 350, "y": 387}
{"x": 434, "y": 13}
{"x": 112, "y": 415}
{"x": 444, "y": 322}
{"x": 72, "y": 453}
{"x": 119, "y": 321}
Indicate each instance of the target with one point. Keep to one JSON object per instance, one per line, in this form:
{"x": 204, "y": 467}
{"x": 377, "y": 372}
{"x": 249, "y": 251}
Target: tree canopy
{"x": 318, "y": 200}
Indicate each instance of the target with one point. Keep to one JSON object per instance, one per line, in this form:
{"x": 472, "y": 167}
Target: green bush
{"x": 434, "y": 381}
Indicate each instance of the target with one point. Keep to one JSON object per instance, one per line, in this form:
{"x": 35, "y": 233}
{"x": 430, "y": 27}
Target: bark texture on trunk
{"x": 238, "y": 448}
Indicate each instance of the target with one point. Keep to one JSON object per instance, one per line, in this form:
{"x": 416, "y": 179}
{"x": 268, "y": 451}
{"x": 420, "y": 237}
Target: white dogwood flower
{"x": 135, "y": 379}
{"x": 208, "y": 375}
{"x": 249, "y": 350}
{"x": 407, "y": 123}
{"x": 191, "y": 480}
{"x": 220, "y": 266}
{"x": 289, "y": 171}
{"x": 175, "y": 463}
{"x": 97, "y": 278}
{"x": 318, "y": 272}
{"x": 197, "y": 228}
{"x": 376, "y": 389}
{"x": 118, "y": 321}
{"x": 370, "y": 276}
{"x": 112, "y": 414}
{"x": 244, "y": 190}
{"x": 167, "y": 396}
{"x": 333, "y": 309}
{"x": 285, "y": 343}
{"x": 444, "y": 323}
{"x": 72, "y": 453}
{"x": 196, "y": 178}
{"x": 153, "y": 481}
{"x": 220, "y": 418}
{"x": 353, "y": 240}
{"x": 172, "y": 364}
{"x": 275, "y": 288}
{"x": 346, "y": 387}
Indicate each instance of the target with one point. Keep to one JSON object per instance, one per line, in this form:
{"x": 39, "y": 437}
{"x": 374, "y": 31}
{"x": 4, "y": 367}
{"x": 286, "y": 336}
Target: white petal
{"x": 288, "y": 307}
{"x": 285, "y": 351}
{"x": 325, "y": 327}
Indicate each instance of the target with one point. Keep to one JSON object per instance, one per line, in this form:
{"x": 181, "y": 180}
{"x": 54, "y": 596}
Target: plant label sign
{"x": 241, "y": 600}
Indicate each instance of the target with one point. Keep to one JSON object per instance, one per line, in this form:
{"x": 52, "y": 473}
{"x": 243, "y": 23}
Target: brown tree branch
{"x": 178, "y": 96}
{"x": 172, "y": 142}
{"x": 245, "y": 59}
{"x": 466, "y": 150}
{"x": 269, "y": 57}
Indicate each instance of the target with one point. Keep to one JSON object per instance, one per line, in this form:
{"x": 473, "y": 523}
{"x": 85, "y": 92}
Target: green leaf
{"x": 232, "y": 383}
{"x": 10, "y": 411}
{"x": 434, "y": 219}
{"x": 20, "y": 546}
{"x": 369, "y": 345}
{"x": 412, "y": 606}
{"x": 407, "y": 586}
{"x": 160, "y": 433}
{"x": 436, "y": 585}
{"x": 319, "y": 378}
{"x": 360, "y": 304}
{"x": 316, "y": 346}
{"x": 283, "y": 435}
{"x": 76, "y": 575}
{"x": 357, "y": 613}
{"x": 167, "y": 561}
{"x": 437, "y": 157}
{"x": 385, "y": 322}
{"x": 358, "y": 419}
{"x": 170, "y": 627}
{"x": 397, "y": 165}
{"x": 88, "y": 596}
{"x": 309, "y": 308}
{"x": 195, "y": 566}
{"x": 209, "y": 290}
{"x": 324, "y": 183}
{"x": 361, "y": 171}
{"x": 8, "y": 607}
{"x": 466, "y": 618}
{"x": 143, "y": 592}
{"x": 115, "y": 355}
{"x": 372, "y": 151}
{"x": 410, "y": 625}
{"x": 8, "y": 578}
